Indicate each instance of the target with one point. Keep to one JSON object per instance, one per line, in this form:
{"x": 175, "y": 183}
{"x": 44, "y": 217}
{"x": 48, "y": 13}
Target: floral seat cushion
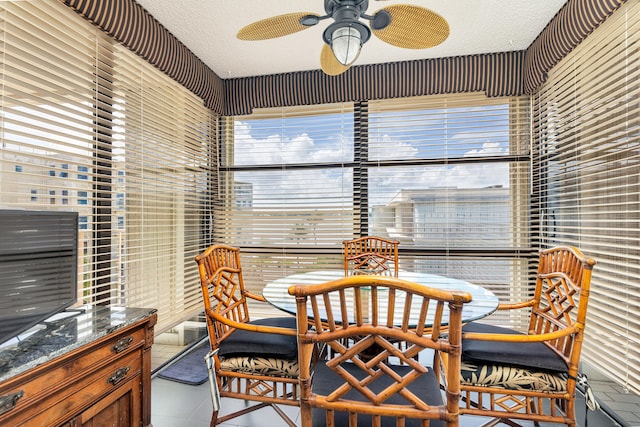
{"x": 268, "y": 366}
{"x": 259, "y": 353}
{"x": 515, "y": 366}
{"x": 511, "y": 377}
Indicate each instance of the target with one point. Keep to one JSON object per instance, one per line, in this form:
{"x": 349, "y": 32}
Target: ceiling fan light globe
{"x": 345, "y": 44}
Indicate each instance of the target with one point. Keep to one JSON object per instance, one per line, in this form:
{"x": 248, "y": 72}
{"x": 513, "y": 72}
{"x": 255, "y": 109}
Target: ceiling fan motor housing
{"x": 331, "y": 6}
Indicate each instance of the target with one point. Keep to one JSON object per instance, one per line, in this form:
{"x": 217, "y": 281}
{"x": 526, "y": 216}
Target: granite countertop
{"x": 62, "y": 333}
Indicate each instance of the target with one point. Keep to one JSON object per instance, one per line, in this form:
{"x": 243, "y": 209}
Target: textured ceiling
{"x": 208, "y": 28}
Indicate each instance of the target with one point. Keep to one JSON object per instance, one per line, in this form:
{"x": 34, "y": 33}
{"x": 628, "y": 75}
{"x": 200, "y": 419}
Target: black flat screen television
{"x": 38, "y": 267}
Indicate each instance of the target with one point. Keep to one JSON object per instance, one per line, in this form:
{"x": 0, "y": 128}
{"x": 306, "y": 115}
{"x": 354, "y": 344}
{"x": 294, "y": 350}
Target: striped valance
{"x": 573, "y": 23}
{"x": 135, "y": 28}
{"x": 499, "y": 74}
{"x": 496, "y": 74}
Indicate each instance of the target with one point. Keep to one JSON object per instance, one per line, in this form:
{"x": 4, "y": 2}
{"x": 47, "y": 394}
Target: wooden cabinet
{"x": 100, "y": 381}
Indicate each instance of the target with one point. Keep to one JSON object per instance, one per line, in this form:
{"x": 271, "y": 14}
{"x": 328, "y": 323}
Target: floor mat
{"x": 190, "y": 368}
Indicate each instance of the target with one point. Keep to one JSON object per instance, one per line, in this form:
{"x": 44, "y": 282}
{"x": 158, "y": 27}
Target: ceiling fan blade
{"x": 276, "y": 26}
{"x": 413, "y": 27}
{"x": 329, "y": 63}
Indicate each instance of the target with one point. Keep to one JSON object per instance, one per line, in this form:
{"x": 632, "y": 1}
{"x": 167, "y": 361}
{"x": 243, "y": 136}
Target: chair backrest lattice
{"x": 371, "y": 255}
{"x": 364, "y": 331}
{"x": 561, "y": 298}
{"x": 223, "y": 288}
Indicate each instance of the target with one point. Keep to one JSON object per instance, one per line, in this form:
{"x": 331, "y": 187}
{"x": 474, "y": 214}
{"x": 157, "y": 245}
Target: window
{"x": 447, "y": 176}
{"x": 18, "y": 168}
{"x": 120, "y": 201}
{"x": 82, "y": 198}
{"x": 440, "y": 171}
{"x": 286, "y": 184}
{"x": 83, "y": 176}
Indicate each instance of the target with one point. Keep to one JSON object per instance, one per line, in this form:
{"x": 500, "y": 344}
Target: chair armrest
{"x": 550, "y": 336}
{"x": 255, "y": 296}
{"x": 251, "y": 327}
{"x": 515, "y": 305}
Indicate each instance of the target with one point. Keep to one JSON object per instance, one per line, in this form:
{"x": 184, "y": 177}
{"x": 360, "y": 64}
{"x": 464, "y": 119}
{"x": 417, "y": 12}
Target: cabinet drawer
{"x": 65, "y": 372}
{"x": 59, "y": 406}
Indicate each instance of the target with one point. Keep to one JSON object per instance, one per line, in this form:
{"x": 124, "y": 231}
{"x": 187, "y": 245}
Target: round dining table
{"x": 484, "y": 302}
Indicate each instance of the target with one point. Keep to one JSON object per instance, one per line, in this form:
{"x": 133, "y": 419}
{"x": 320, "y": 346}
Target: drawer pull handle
{"x": 9, "y": 401}
{"x": 118, "y": 375}
{"x": 122, "y": 344}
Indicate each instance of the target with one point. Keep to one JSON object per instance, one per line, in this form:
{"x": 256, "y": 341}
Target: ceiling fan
{"x": 401, "y": 25}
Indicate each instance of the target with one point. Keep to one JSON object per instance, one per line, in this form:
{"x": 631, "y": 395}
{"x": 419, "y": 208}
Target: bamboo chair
{"x": 370, "y": 255}
{"x": 391, "y": 388}
{"x": 253, "y": 360}
{"x": 532, "y": 376}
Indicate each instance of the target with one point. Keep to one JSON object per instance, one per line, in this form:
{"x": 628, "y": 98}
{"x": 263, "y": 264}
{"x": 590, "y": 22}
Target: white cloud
{"x": 276, "y": 148}
{"x": 386, "y": 148}
{"x": 487, "y": 149}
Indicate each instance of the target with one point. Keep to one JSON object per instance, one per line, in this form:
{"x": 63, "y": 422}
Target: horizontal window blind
{"x": 286, "y": 189}
{"x": 448, "y": 127}
{"x": 448, "y": 176}
{"x": 163, "y": 162}
{"x": 587, "y": 118}
{"x": 88, "y": 126}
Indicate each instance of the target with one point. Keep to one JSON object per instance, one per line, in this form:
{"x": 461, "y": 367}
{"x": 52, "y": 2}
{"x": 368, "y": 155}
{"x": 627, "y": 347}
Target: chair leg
{"x": 242, "y": 412}
{"x": 214, "y": 419}
{"x": 284, "y": 416}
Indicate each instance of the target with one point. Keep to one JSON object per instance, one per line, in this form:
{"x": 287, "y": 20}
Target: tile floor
{"x": 177, "y": 405}
{"x": 623, "y": 405}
